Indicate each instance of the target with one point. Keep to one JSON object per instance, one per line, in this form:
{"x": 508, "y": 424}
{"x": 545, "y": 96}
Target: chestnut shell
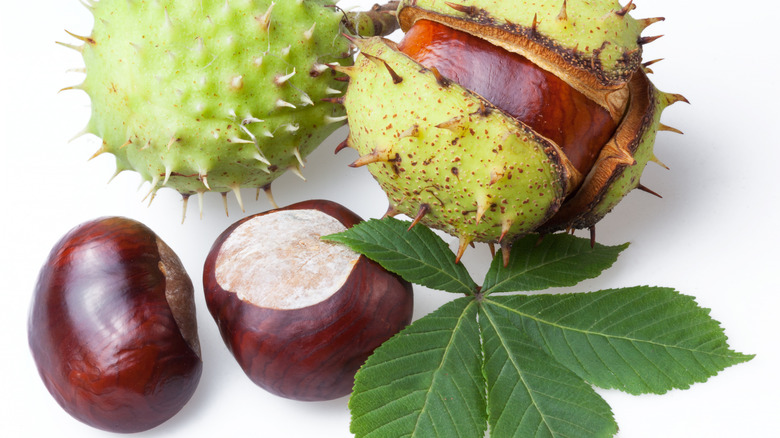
{"x": 104, "y": 337}
{"x": 312, "y": 353}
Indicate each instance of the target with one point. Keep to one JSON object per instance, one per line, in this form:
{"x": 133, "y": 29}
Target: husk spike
{"x": 168, "y": 171}
{"x": 200, "y": 203}
{"x": 630, "y": 6}
{"x": 463, "y": 243}
{"x": 482, "y": 207}
{"x": 298, "y": 156}
{"x": 376, "y": 156}
{"x": 655, "y": 160}
{"x": 75, "y": 47}
{"x": 647, "y": 40}
{"x": 185, "y": 198}
{"x": 421, "y": 212}
{"x": 644, "y": 23}
{"x": 85, "y": 39}
{"x": 101, "y": 150}
{"x": 237, "y": 191}
{"x": 296, "y": 170}
{"x": 506, "y": 252}
{"x": 562, "y": 15}
{"x": 643, "y": 188}
{"x": 224, "y": 203}
{"x": 667, "y": 128}
{"x": 343, "y": 145}
{"x": 268, "y": 194}
{"x": 505, "y": 228}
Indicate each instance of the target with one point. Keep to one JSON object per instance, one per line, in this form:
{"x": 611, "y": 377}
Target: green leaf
{"x": 524, "y": 365}
{"x": 529, "y": 393}
{"x": 637, "y": 340}
{"x": 417, "y": 255}
{"x": 558, "y": 260}
{"x": 426, "y": 381}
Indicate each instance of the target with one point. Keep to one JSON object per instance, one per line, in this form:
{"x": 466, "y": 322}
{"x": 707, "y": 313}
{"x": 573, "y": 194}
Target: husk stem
{"x": 380, "y": 20}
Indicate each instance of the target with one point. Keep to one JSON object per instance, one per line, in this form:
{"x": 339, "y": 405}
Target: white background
{"x": 714, "y": 235}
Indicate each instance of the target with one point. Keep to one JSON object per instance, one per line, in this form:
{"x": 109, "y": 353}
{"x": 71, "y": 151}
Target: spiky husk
{"x": 212, "y": 95}
{"x": 594, "y": 47}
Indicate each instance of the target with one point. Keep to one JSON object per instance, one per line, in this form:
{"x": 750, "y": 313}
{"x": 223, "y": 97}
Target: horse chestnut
{"x": 491, "y": 119}
{"x": 300, "y": 314}
{"x": 112, "y": 327}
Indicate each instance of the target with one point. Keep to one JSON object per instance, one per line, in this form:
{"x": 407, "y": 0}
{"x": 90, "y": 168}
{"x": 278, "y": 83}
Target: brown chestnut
{"x": 538, "y": 98}
{"x": 301, "y": 314}
{"x": 112, "y": 327}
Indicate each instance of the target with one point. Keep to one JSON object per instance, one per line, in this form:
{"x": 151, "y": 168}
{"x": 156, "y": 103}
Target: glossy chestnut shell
{"x": 308, "y": 352}
{"x": 515, "y": 85}
{"x": 112, "y": 327}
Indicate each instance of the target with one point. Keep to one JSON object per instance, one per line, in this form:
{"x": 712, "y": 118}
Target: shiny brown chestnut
{"x": 112, "y": 327}
{"x": 517, "y": 86}
{"x": 301, "y": 314}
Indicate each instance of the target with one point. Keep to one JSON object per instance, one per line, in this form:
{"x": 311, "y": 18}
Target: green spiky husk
{"x": 481, "y": 174}
{"x": 193, "y": 95}
{"x": 481, "y": 207}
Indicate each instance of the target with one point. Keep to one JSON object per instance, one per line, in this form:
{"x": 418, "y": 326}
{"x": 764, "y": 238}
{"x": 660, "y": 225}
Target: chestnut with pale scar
{"x": 301, "y": 314}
